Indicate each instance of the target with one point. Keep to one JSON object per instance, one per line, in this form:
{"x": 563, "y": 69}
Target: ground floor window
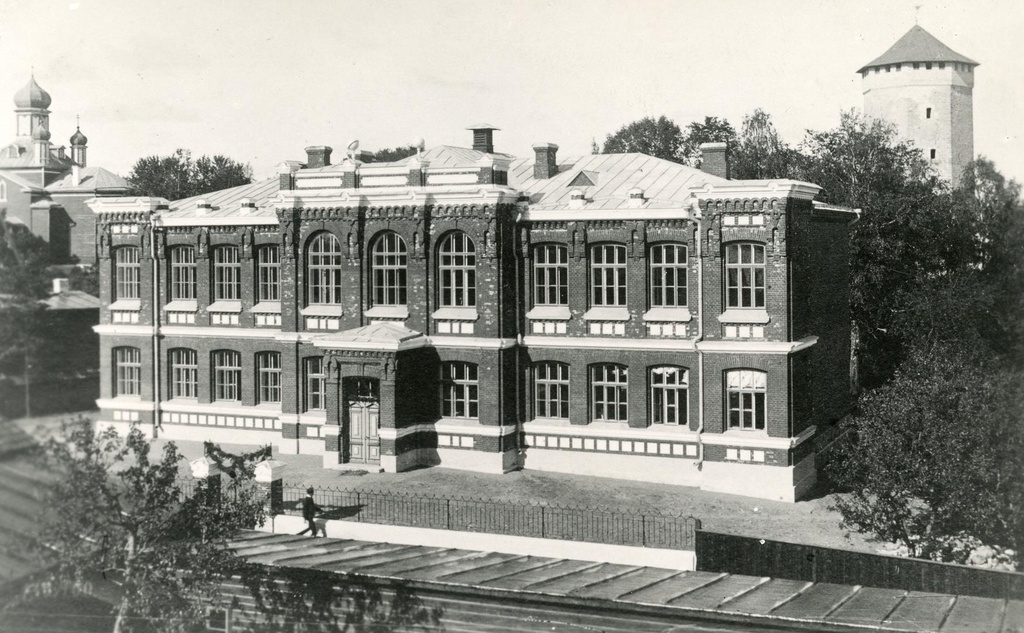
{"x": 551, "y": 390}
{"x": 609, "y": 392}
{"x": 218, "y": 620}
{"x": 459, "y": 390}
{"x": 668, "y": 395}
{"x": 227, "y": 375}
{"x": 268, "y": 369}
{"x": 184, "y": 373}
{"x": 127, "y": 371}
{"x": 316, "y": 384}
{"x": 746, "y": 391}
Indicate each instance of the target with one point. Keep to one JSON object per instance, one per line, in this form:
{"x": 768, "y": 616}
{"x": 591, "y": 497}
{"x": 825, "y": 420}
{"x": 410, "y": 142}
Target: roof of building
{"x": 21, "y": 182}
{"x": 90, "y": 179}
{"x": 72, "y": 300}
{"x": 918, "y": 45}
{"x": 226, "y": 202}
{"x": 78, "y": 138}
{"x": 32, "y": 96}
{"x": 26, "y": 157}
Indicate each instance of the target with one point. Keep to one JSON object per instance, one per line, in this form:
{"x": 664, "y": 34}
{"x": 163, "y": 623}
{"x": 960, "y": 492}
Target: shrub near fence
{"x": 761, "y": 557}
{"x": 591, "y": 525}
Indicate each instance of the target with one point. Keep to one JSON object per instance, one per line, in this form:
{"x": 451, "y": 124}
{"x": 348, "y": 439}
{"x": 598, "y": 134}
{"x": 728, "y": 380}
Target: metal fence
{"x": 467, "y": 514}
{"x": 761, "y": 557}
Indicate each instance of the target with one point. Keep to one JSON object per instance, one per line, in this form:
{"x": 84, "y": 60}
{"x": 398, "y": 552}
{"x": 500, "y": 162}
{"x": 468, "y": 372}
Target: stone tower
{"x": 925, "y": 89}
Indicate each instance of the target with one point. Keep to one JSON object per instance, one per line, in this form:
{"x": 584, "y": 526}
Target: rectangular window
{"x": 927, "y": 65}
{"x": 459, "y": 391}
{"x": 184, "y": 373}
{"x": 608, "y": 275}
{"x": 457, "y": 269}
{"x": 227, "y": 375}
{"x": 390, "y": 271}
{"x": 668, "y": 395}
{"x": 183, "y": 273}
{"x": 316, "y": 384}
{"x": 551, "y": 390}
{"x": 268, "y": 369}
{"x": 927, "y": 113}
{"x": 127, "y": 371}
{"x": 268, "y": 274}
{"x": 609, "y": 392}
{"x": 126, "y": 273}
{"x": 551, "y": 275}
{"x": 227, "y": 274}
{"x": 932, "y": 153}
{"x": 746, "y": 391}
{"x": 668, "y": 276}
{"x": 744, "y": 267}
{"x": 217, "y": 621}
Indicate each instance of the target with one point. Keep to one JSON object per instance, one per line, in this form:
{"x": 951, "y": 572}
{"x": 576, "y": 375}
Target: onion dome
{"x": 32, "y": 96}
{"x": 41, "y": 134}
{"x": 78, "y": 138}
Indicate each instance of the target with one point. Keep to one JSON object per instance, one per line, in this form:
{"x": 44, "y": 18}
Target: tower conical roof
{"x": 32, "y": 96}
{"x": 918, "y": 45}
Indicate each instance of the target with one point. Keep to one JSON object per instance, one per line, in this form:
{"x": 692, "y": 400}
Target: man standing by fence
{"x": 309, "y": 510}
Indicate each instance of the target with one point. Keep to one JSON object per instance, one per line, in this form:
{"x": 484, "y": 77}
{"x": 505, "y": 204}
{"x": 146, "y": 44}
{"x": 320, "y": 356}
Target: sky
{"x": 259, "y": 81}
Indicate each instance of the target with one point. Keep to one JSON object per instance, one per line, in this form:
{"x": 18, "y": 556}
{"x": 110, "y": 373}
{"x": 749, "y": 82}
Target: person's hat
{"x": 309, "y": 491}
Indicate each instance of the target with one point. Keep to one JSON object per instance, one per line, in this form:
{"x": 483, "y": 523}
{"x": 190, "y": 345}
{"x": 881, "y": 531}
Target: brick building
{"x": 615, "y": 315}
{"x": 45, "y": 188}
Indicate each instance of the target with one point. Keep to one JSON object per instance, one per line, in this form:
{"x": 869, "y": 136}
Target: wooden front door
{"x": 364, "y": 441}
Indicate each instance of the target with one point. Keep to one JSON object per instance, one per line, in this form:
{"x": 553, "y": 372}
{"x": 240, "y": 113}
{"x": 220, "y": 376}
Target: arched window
{"x": 746, "y": 395}
{"x": 550, "y": 275}
{"x": 183, "y": 273}
{"x": 668, "y": 275}
{"x": 323, "y": 270}
{"x": 608, "y": 275}
{"x": 457, "y": 270}
{"x": 227, "y": 274}
{"x": 184, "y": 373}
{"x": 126, "y": 273}
{"x": 268, "y": 274}
{"x": 744, "y": 276}
{"x": 551, "y": 390}
{"x": 609, "y": 392}
{"x": 390, "y": 261}
{"x": 227, "y": 375}
{"x": 127, "y": 371}
{"x": 459, "y": 390}
{"x": 268, "y": 377}
{"x": 668, "y": 395}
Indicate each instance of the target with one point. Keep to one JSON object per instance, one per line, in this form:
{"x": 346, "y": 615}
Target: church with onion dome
{"x": 44, "y": 184}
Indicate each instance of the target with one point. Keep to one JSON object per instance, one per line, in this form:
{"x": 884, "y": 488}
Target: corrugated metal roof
{"x": 27, "y": 158}
{"x": 918, "y": 45}
{"x": 72, "y": 300}
{"x": 92, "y": 178}
{"x": 226, "y": 202}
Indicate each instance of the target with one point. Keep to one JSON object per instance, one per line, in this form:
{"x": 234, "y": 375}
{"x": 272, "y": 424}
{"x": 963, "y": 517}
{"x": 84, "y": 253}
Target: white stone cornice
{"x": 125, "y": 404}
{"x": 220, "y": 408}
{"x": 472, "y": 341}
{"x": 583, "y": 214}
{"x": 612, "y": 430}
{"x": 123, "y": 330}
{"x": 752, "y": 440}
{"x": 590, "y": 342}
{"x": 238, "y": 220}
{"x": 228, "y": 332}
{"x": 756, "y": 347}
{"x": 139, "y": 204}
{"x": 782, "y": 188}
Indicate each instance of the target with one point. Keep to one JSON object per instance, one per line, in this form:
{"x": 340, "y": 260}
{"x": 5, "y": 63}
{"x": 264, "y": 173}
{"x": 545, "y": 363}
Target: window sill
{"x": 182, "y": 305}
{"x": 126, "y": 305}
{"x": 267, "y": 307}
{"x": 322, "y": 310}
{"x": 738, "y": 315}
{"x": 229, "y": 307}
{"x": 387, "y": 312}
{"x": 607, "y": 314}
{"x": 668, "y": 315}
{"x": 549, "y": 313}
{"x": 455, "y": 314}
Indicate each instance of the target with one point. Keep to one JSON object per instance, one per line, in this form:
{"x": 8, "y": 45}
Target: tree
{"x": 711, "y": 130}
{"x": 760, "y": 153}
{"x": 178, "y": 176}
{"x": 660, "y": 138}
{"x": 389, "y": 155}
{"x": 119, "y": 514}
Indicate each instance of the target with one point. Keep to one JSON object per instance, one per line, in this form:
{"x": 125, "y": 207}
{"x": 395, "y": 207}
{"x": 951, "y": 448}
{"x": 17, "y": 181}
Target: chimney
{"x": 318, "y": 156}
{"x": 76, "y": 175}
{"x": 61, "y": 285}
{"x": 545, "y": 165}
{"x": 483, "y": 137}
{"x": 285, "y": 170}
{"x": 715, "y": 159}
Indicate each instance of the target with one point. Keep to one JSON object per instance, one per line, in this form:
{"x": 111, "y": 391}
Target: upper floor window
{"x": 184, "y": 373}
{"x": 227, "y": 274}
{"x": 268, "y": 377}
{"x": 744, "y": 268}
{"x": 457, "y": 270}
{"x": 459, "y": 390}
{"x": 551, "y": 275}
{"x": 3, "y": 191}
{"x": 668, "y": 276}
{"x": 609, "y": 392}
{"x": 227, "y": 375}
{"x": 323, "y": 270}
{"x": 608, "y": 275}
{"x": 126, "y": 273}
{"x": 268, "y": 274}
{"x": 668, "y": 395}
{"x": 127, "y": 371}
{"x": 745, "y": 399}
{"x": 551, "y": 390}
{"x": 183, "y": 273}
{"x": 390, "y": 269}
{"x": 316, "y": 384}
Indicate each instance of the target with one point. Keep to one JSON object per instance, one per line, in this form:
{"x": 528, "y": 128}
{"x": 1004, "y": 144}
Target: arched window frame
{"x": 127, "y": 372}
{"x": 550, "y": 275}
{"x": 323, "y": 269}
{"x": 227, "y": 273}
{"x": 126, "y": 272}
{"x": 668, "y": 275}
{"x": 268, "y": 273}
{"x": 745, "y": 284}
{"x": 609, "y": 392}
{"x": 226, "y": 373}
{"x": 456, "y": 271}
{"x": 389, "y": 266}
{"x": 184, "y": 372}
{"x": 551, "y": 389}
{"x": 268, "y": 377}
{"x": 669, "y": 393}
{"x": 608, "y": 275}
{"x": 746, "y": 396}
{"x": 183, "y": 273}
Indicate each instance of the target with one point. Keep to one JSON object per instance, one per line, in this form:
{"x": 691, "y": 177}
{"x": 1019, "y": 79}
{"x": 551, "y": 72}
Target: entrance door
{"x": 364, "y": 441}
